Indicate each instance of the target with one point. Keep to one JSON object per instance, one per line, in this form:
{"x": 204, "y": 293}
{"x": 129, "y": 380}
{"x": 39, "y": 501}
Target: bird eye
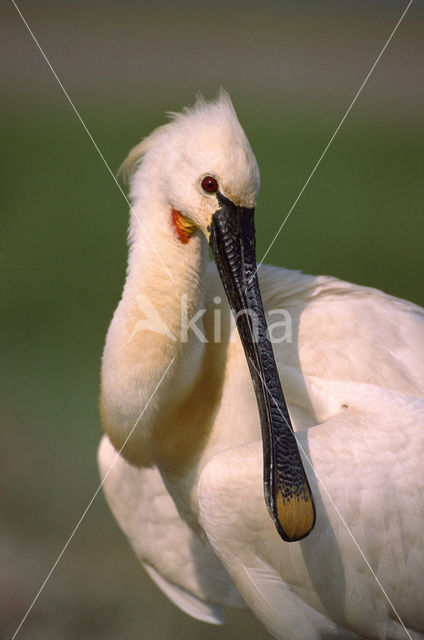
{"x": 209, "y": 184}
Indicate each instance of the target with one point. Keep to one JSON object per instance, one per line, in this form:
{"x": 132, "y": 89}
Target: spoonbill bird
{"x": 209, "y": 485}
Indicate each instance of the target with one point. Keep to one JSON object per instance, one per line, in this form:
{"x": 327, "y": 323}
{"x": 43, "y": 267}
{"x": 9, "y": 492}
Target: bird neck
{"x": 166, "y": 263}
{"x": 152, "y": 355}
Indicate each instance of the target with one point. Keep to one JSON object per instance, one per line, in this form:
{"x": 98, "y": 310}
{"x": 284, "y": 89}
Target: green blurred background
{"x": 292, "y": 69}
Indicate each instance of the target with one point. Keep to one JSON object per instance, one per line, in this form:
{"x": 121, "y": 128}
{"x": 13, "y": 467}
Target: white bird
{"x": 197, "y": 441}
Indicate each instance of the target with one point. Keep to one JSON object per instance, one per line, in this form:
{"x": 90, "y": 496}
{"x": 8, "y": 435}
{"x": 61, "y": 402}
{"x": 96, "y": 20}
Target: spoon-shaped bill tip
{"x": 295, "y": 515}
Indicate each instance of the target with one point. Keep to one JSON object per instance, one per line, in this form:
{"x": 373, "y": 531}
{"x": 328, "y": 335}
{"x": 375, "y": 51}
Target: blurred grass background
{"x": 292, "y": 69}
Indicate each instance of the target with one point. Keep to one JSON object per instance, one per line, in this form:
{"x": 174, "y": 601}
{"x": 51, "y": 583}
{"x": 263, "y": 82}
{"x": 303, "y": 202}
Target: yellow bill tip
{"x": 296, "y": 515}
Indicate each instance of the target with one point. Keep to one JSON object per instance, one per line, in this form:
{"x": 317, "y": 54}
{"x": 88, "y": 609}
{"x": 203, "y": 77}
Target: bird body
{"x": 187, "y": 486}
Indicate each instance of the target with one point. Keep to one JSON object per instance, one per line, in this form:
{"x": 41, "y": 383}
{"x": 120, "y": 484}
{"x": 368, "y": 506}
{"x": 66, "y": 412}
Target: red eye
{"x": 209, "y": 184}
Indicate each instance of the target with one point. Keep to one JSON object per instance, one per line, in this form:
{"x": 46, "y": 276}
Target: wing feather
{"x": 369, "y": 501}
{"x": 183, "y": 567}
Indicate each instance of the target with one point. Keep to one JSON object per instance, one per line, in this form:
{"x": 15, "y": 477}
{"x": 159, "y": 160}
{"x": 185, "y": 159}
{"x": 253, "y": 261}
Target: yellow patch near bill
{"x": 183, "y": 226}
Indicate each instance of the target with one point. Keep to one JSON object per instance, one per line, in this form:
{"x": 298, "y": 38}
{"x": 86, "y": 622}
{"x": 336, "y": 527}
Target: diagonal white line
{"x": 90, "y": 503}
{"x": 90, "y": 136}
{"x": 358, "y": 93}
{"x": 333, "y": 503}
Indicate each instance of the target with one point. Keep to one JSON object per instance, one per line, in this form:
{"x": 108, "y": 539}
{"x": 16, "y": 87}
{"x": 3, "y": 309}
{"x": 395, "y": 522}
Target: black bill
{"x": 287, "y": 493}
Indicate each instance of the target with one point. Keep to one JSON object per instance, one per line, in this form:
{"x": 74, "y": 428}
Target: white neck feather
{"x": 162, "y": 274}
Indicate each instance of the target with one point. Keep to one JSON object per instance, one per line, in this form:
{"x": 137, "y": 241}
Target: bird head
{"x": 201, "y": 154}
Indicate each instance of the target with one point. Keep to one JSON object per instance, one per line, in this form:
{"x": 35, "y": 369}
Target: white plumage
{"x": 187, "y": 490}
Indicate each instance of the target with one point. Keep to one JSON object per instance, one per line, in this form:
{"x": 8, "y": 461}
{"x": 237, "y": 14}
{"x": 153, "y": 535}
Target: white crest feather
{"x": 130, "y": 163}
{"x": 132, "y": 160}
